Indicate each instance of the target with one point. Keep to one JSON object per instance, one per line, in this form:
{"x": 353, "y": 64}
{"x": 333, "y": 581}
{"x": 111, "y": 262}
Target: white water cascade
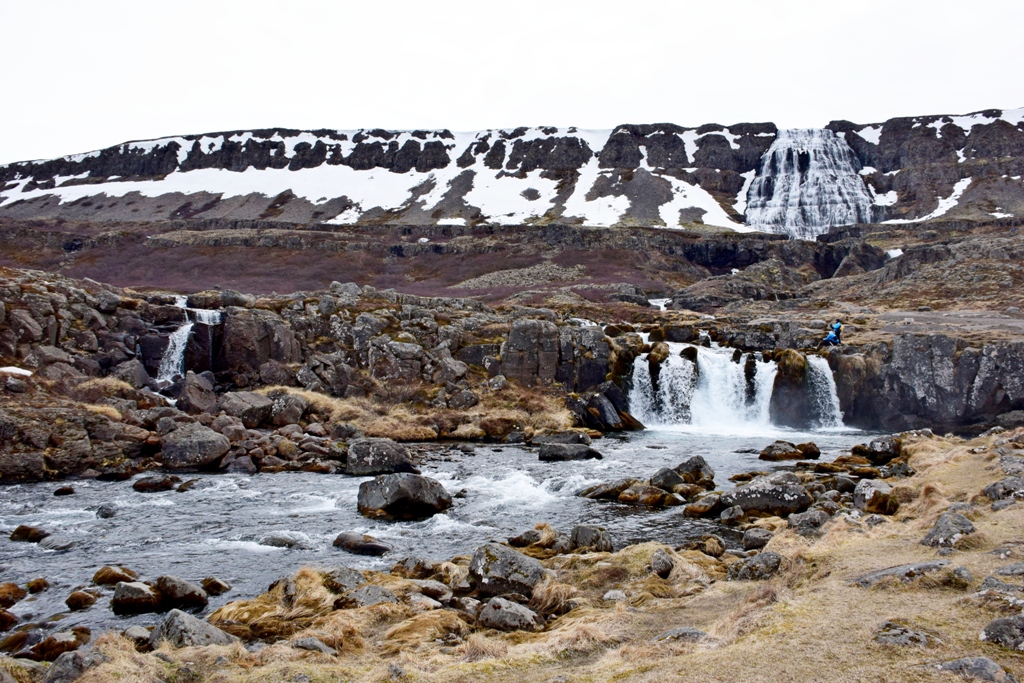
{"x": 808, "y": 182}
{"x": 719, "y": 395}
{"x": 173, "y": 361}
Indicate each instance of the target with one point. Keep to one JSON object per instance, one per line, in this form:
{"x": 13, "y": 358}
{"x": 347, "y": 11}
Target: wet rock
{"x": 377, "y": 456}
{"x": 134, "y": 597}
{"x": 287, "y": 539}
{"x": 758, "y": 568}
{"x": 643, "y": 494}
{"x": 496, "y": 569}
{"x": 111, "y": 576}
{"x": 557, "y": 452}
{"x": 197, "y": 395}
{"x": 28, "y": 534}
{"x": 696, "y": 470}
{"x": 880, "y": 451}
{"x": 566, "y": 437}
{"x": 139, "y": 635}
{"x": 950, "y": 528}
{"x": 177, "y": 593}
{"x": 214, "y": 586}
{"x": 37, "y": 585}
{"x": 193, "y": 445}
{"x": 874, "y": 497}
{"x": 704, "y": 506}
{"x": 403, "y": 496}
{"x": 65, "y": 491}
{"x": 57, "y": 543}
{"x": 980, "y": 668}
{"x": 183, "y": 630}
{"x": 364, "y": 596}
{"x": 594, "y": 538}
{"x": 809, "y": 523}
{"x": 809, "y": 450}
{"x": 79, "y": 600}
{"x": 903, "y": 572}
{"x": 790, "y": 404}
{"x": 891, "y": 633}
{"x": 682, "y": 634}
{"x": 7, "y": 620}
{"x": 777, "y": 494}
{"x": 661, "y": 563}
{"x": 53, "y": 646}
{"x": 360, "y": 544}
{"x": 155, "y": 484}
{"x": 341, "y": 579}
{"x": 781, "y": 450}
{"x": 609, "y": 490}
{"x": 313, "y": 645}
{"x": 667, "y": 479}
{"x": 755, "y": 538}
{"x": 505, "y": 615}
{"x": 11, "y": 593}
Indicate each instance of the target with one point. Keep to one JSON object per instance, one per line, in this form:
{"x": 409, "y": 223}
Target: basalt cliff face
{"x": 740, "y": 177}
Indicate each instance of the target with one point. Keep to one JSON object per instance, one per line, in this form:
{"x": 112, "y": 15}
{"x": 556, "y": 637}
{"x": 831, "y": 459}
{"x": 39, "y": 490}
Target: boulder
{"x": 251, "y": 408}
{"x": 558, "y": 452}
{"x": 360, "y": 544}
{"x": 776, "y": 494}
{"x": 666, "y": 479}
{"x": 903, "y": 572}
{"x": 134, "y": 597}
{"x": 755, "y": 538}
{"x": 28, "y": 534}
{"x": 505, "y": 615}
{"x": 809, "y": 523}
{"x": 53, "y": 646}
{"x": 111, "y": 576}
{"x": 880, "y": 451}
{"x": 705, "y": 506}
{"x": 197, "y": 395}
{"x": 11, "y": 593}
{"x": 287, "y": 539}
{"x": 1007, "y": 631}
{"x": 874, "y": 497}
{"x": 288, "y": 410}
{"x": 193, "y": 445}
{"x": 980, "y": 668}
{"x": 177, "y": 593}
{"x": 608, "y": 490}
{"x": 364, "y": 596}
{"x": 781, "y": 450}
{"x": 571, "y": 436}
{"x": 155, "y": 483}
{"x": 643, "y": 494}
{"x": 403, "y": 496}
{"x": 342, "y": 579}
{"x": 183, "y": 630}
{"x": 891, "y": 633}
{"x": 595, "y": 538}
{"x": 696, "y": 470}
{"x": 661, "y": 563}
{"x": 54, "y": 542}
{"x": 376, "y": 456}
{"x": 496, "y": 569}
{"x": 70, "y": 666}
{"x": 214, "y": 586}
{"x": 133, "y": 372}
{"x": 758, "y": 568}
{"x": 79, "y": 600}
{"x": 463, "y": 400}
{"x": 948, "y": 529}
{"x": 311, "y": 644}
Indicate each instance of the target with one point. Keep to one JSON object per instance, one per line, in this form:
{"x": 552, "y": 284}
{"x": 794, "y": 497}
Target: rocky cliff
{"x": 660, "y": 175}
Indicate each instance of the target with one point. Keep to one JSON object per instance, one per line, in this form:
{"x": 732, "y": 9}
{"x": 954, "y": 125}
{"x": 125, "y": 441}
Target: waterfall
{"x": 808, "y": 182}
{"x": 172, "y": 363}
{"x": 717, "y": 394}
{"x": 824, "y": 396}
{"x": 714, "y": 393}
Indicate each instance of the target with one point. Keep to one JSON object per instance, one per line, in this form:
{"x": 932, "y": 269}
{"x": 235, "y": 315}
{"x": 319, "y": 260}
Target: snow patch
{"x": 945, "y": 204}
{"x": 871, "y": 134}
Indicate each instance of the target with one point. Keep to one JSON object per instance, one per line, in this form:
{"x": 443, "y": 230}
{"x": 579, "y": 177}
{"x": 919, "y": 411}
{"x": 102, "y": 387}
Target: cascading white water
{"x": 711, "y": 394}
{"x": 173, "y": 361}
{"x": 715, "y": 395}
{"x": 808, "y": 182}
{"x": 823, "y": 392}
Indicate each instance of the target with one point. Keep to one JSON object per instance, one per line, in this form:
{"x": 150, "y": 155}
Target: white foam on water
{"x": 246, "y": 546}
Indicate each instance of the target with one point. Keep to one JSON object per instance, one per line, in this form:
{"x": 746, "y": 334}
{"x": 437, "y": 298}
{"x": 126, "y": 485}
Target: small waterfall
{"x": 172, "y": 363}
{"x": 808, "y": 182}
{"x": 824, "y": 396}
{"x": 714, "y": 393}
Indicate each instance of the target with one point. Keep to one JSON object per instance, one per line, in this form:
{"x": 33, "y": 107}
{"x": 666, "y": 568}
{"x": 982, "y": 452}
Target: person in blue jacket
{"x": 835, "y": 335}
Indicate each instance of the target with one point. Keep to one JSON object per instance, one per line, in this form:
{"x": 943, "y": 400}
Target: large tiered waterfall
{"x": 173, "y": 361}
{"x": 723, "y": 391}
{"x": 808, "y": 182}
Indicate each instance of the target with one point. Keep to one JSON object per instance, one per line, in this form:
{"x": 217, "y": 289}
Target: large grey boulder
{"x": 364, "y": 596}
{"x": 903, "y": 572}
{"x": 758, "y": 568}
{"x": 133, "y": 372}
{"x": 505, "y": 615}
{"x": 809, "y": 523}
{"x": 776, "y": 494}
{"x": 193, "y": 445}
{"x": 948, "y": 529}
{"x": 497, "y": 569}
{"x": 873, "y": 496}
{"x": 1006, "y": 631}
{"x": 377, "y": 456}
{"x": 134, "y": 597}
{"x": 595, "y": 538}
{"x": 70, "y": 666}
{"x": 980, "y": 668}
{"x": 181, "y": 594}
{"x": 403, "y": 496}
{"x": 341, "y": 579}
{"x": 197, "y": 395}
{"x": 696, "y": 470}
{"x": 251, "y": 408}
{"x": 183, "y": 630}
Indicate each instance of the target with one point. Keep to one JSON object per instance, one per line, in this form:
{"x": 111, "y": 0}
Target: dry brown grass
{"x": 107, "y": 411}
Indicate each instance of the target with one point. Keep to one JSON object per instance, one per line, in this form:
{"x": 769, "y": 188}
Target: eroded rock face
{"x": 790, "y": 403}
{"x": 530, "y": 354}
{"x": 496, "y": 570}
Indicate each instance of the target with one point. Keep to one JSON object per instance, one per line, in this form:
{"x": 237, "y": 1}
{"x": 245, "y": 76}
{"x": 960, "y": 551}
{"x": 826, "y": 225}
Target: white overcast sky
{"x": 85, "y": 74}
